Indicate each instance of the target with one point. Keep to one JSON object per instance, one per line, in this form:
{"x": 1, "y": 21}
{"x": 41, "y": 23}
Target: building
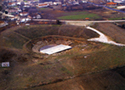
{"x": 50, "y": 49}
{"x": 111, "y": 4}
{"x": 42, "y": 5}
{"x": 24, "y": 14}
{"x": 24, "y": 20}
{"x": 120, "y": 7}
{"x": 5, "y": 64}
{"x": 2, "y": 24}
{"x": 11, "y": 4}
{"x": 118, "y": 1}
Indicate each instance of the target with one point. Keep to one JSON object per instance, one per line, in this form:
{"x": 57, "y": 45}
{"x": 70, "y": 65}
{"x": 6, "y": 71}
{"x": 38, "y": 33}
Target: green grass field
{"x": 79, "y": 15}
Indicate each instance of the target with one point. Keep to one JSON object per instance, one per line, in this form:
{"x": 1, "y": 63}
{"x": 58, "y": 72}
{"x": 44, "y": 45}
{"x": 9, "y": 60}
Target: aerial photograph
{"x": 62, "y": 44}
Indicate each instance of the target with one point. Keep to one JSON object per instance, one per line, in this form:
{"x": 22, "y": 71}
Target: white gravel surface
{"x": 102, "y": 38}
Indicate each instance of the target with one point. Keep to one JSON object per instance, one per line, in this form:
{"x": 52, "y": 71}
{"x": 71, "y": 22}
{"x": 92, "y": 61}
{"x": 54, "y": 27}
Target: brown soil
{"x": 105, "y": 80}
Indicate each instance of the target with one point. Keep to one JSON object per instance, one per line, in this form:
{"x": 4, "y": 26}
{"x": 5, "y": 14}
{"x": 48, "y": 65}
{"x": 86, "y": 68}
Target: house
{"x": 42, "y": 5}
{"x": 12, "y": 11}
{"x": 57, "y": 3}
{"x": 11, "y": 4}
{"x": 38, "y": 16}
{"x": 54, "y": 49}
{"x": 23, "y": 14}
{"x": 10, "y": 0}
{"x": 118, "y": 1}
{"x": 23, "y": 20}
{"x": 19, "y": 10}
{"x": 18, "y": 3}
{"x": 75, "y": 3}
{"x": 2, "y": 23}
{"x": 50, "y": 3}
{"x": 26, "y": 6}
{"x": 120, "y": 7}
{"x": 12, "y": 18}
{"x": 83, "y": 1}
{"x": 111, "y": 4}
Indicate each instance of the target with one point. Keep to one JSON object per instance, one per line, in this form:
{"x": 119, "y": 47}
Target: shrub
{"x": 6, "y": 55}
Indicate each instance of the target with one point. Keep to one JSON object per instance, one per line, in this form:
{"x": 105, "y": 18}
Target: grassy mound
{"x": 47, "y": 70}
{"x": 17, "y": 38}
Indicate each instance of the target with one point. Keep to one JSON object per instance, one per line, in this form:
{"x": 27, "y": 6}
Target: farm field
{"x": 33, "y": 71}
{"x": 81, "y": 15}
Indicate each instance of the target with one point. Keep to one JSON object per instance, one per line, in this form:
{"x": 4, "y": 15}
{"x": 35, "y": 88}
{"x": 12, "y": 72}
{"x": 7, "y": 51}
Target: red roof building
{"x": 111, "y": 3}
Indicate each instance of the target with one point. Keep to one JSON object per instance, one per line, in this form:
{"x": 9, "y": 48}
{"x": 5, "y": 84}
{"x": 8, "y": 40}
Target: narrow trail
{"x": 103, "y": 38}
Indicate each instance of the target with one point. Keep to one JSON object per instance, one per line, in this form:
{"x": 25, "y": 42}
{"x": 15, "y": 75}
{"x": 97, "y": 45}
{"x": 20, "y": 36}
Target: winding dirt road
{"x": 103, "y": 38}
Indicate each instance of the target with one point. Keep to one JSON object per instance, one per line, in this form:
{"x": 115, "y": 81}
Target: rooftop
{"x": 111, "y": 3}
{"x": 54, "y": 49}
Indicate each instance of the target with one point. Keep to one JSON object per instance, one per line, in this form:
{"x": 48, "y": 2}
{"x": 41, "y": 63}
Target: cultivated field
{"x": 80, "y": 15}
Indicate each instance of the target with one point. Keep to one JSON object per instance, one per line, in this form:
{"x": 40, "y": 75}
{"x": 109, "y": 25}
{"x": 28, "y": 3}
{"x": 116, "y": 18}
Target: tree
{"x": 58, "y": 22}
{"x": 6, "y": 55}
{"x": 0, "y": 8}
{"x": 6, "y": 12}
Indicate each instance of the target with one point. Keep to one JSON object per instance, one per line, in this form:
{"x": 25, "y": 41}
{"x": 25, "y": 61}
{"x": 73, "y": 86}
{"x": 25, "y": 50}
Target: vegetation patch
{"x": 81, "y": 16}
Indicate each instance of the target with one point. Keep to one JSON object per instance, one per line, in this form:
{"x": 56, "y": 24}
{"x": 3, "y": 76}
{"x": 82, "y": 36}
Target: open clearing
{"x": 32, "y": 70}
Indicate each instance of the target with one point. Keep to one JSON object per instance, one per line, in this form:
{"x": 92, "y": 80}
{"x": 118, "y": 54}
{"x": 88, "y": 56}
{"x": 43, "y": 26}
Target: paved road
{"x": 6, "y": 14}
{"x": 106, "y": 7}
{"x": 79, "y": 22}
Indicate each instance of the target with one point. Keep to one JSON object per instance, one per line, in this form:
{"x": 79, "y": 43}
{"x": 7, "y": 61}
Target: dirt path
{"x": 103, "y": 38}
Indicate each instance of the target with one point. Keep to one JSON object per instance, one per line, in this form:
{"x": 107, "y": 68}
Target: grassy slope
{"x": 105, "y": 80}
{"x": 111, "y": 30}
{"x": 102, "y": 59}
{"x": 17, "y": 38}
{"x": 65, "y": 65}
{"x": 13, "y": 40}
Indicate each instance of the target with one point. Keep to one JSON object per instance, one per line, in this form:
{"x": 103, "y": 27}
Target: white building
{"x": 23, "y": 14}
{"x": 2, "y": 24}
{"x": 54, "y": 49}
{"x": 118, "y": 1}
{"x": 12, "y": 4}
{"x": 23, "y": 20}
{"x": 5, "y": 64}
{"x": 57, "y": 3}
